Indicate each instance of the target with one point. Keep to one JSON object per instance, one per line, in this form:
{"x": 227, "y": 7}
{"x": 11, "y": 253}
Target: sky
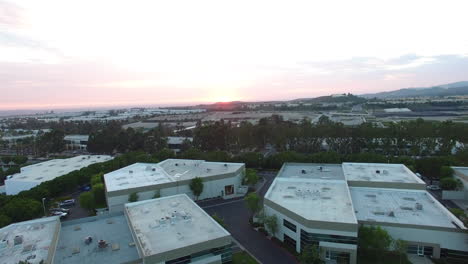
{"x": 58, "y": 54}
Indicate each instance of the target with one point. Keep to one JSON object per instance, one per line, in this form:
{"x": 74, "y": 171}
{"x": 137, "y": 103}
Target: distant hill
{"x": 458, "y": 88}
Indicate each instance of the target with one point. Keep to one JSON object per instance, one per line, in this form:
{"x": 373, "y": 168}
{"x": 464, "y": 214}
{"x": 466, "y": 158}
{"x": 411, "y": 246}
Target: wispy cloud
{"x": 10, "y": 14}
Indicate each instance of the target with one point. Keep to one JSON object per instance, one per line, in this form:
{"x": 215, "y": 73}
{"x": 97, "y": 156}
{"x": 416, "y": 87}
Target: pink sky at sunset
{"x": 61, "y": 54}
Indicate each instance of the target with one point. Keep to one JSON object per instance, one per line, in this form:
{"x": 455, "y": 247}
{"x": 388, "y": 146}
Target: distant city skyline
{"x": 88, "y": 54}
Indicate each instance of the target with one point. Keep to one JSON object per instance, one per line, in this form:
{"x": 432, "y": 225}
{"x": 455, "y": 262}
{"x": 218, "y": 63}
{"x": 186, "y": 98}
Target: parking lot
{"x": 236, "y": 217}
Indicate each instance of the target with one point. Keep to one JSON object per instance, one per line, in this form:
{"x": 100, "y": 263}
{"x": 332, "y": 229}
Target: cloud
{"x": 10, "y": 14}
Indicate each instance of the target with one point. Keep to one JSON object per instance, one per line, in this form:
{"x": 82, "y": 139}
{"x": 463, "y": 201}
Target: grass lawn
{"x": 243, "y": 258}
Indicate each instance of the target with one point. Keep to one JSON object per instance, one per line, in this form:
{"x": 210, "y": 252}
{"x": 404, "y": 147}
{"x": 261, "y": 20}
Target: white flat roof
{"x": 170, "y": 170}
{"x": 77, "y": 137}
{"x": 312, "y": 171}
{"x": 312, "y": 196}
{"x": 37, "y": 236}
{"x": 169, "y": 223}
{"x": 379, "y": 172}
{"x": 51, "y": 169}
{"x": 400, "y": 206}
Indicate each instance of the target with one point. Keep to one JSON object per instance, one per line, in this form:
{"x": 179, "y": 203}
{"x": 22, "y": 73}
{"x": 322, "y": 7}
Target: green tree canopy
{"x": 310, "y": 255}
{"x": 133, "y": 197}
{"x": 196, "y": 185}
{"x": 446, "y": 172}
{"x": 87, "y": 200}
{"x": 271, "y": 223}
{"x": 253, "y": 202}
{"x": 251, "y": 176}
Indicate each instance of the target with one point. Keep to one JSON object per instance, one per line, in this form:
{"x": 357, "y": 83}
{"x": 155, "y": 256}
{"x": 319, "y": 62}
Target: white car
{"x": 433, "y": 187}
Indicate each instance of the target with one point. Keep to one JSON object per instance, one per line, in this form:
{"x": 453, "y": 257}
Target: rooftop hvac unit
{"x": 419, "y": 206}
{"x": 18, "y": 240}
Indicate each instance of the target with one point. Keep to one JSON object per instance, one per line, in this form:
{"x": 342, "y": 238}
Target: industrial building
{"x": 459, "y": 196}
{"x": 76, "y": 142}
{"x": 170, "y": 177}
{"x": 165, "y": 230}
{"x": 32, "y": 241}
{"x": 33, "y": 175}
{"x": 174, "y": 229}
{"x": 324, "y": 205}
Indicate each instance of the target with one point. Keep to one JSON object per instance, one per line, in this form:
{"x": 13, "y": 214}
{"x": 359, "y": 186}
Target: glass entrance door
{"x": 420, "y": 250}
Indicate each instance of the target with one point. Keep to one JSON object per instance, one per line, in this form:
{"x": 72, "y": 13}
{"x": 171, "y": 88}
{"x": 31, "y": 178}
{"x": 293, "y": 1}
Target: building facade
{"x": 324, "y": 205}
{"x": 170, "y": 177}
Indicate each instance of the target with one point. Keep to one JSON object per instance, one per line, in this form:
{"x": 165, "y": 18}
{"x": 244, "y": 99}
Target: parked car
{"x": 70, "y": 202}
{"x": 58, "y": 209}
{"x": 433, "y": 187}
{"x": 61, "y": 214}
{"x": 85, "y": 188}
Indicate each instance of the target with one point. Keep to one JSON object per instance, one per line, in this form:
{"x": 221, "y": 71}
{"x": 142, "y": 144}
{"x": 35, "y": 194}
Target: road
{"x": 236, "y": 217}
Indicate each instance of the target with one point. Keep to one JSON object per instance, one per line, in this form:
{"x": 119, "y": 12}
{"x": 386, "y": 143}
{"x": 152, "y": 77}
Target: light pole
{"x": 43, "y": 206}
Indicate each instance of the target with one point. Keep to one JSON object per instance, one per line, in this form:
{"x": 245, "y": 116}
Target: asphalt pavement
{"x": 236, "y": 217}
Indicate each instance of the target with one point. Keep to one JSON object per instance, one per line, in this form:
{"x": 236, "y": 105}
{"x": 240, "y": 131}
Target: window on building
{"x": 289, "y": 225}
{"x": 314, "y": 239}
{"x": 289, "y": 241}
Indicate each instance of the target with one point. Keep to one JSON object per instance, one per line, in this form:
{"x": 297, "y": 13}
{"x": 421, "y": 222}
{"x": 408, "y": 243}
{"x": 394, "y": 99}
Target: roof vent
{"x": 419, "y": 206}
{"x": 377, "y": 171}
{"x": 385, "y": 171}
{"x": 18, "y": 240}
{"x": 391, "y": 214}
{"x": 177, "y": 164}
{"x": 130, "y": 171}
{"x": 225, "y": 165}
{"x": 320, "y": 168}
{"x": 3, "y": 243}
{"x": 303, "y": 171}
{"x": 154, "y": 169}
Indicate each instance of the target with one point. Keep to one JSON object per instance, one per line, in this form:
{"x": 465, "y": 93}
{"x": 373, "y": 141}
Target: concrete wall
{"x": 455, "y": 195}
{"x": 297, "y": 235}
{"x": 456, "y": 240}
{"x": 211, "y": 189}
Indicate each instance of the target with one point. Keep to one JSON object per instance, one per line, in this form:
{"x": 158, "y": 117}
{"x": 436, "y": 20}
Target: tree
{"x": 99, "y": 194}
{"x": 21, "y": 209}
{"x": 400, "y": 247}
{"x": 374, "y": 239}
{"x": 449, "y": 184}
{"x": 253, "y": 202}
{"x": 87, "y": 200}
{"x": 446, "y": 172}
{"x": 157, "y": 194}
{"x": 196, "y": 185}
{"x": 310, "y": 255}
{"x": 4, "y": 220}
{"x": 133, "y": 197}
{"x": 271, "y": 223}
{"x": 219, "y": 220}
{"x": 52, "y": 142}
{"x": 251, "y": 176}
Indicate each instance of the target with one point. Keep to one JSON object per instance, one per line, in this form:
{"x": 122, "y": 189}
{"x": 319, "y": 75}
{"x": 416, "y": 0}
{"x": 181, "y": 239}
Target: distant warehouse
{"x": 170, "y": 177}
{"x": 33, "y": 175}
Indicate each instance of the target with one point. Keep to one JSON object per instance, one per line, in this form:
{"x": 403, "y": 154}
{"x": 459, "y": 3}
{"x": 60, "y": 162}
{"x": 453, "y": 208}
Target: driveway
{"x": 236, "y": 217}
